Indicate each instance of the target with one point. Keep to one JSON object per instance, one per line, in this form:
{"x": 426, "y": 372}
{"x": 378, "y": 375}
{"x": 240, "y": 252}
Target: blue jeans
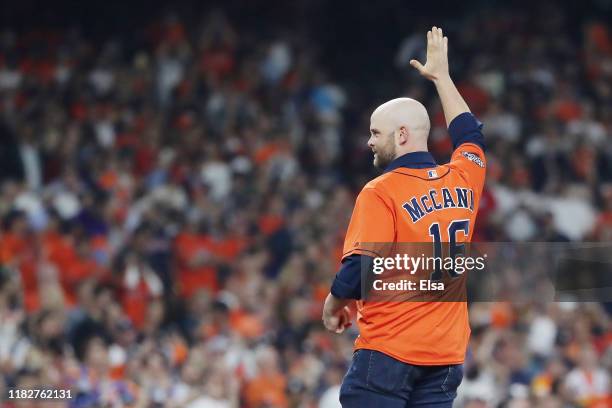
{"x": 376, "y": 380}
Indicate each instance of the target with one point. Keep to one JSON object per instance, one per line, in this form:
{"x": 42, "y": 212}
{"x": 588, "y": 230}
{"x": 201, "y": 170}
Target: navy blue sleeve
{"x": 465, "y": 128}
{"x": 347, "y": 284}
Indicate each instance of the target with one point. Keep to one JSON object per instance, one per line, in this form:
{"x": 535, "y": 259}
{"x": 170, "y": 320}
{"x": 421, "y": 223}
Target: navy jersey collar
{"x": 414, "y": 160}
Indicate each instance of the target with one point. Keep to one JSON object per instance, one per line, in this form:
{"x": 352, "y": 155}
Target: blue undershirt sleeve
{"x": 347, "y": 283}
{"x": 465, "y": 128}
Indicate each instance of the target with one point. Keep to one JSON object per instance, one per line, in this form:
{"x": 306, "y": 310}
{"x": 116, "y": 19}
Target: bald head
{"x": 397, "y": 127}
{"x": 405, "y": 112}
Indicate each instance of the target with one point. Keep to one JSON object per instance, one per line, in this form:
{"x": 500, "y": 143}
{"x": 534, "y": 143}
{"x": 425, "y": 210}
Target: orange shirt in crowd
{"x": 17, "y": 251}
{"x": 191, "y": 275}
{"x": 268, "y": 390}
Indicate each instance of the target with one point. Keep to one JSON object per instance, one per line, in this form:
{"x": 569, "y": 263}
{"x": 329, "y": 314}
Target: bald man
{"x": 410, "y": 353}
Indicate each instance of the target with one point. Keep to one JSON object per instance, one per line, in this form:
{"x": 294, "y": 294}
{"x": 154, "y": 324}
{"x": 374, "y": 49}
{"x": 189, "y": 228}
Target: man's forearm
{"x": 453, "y": 103}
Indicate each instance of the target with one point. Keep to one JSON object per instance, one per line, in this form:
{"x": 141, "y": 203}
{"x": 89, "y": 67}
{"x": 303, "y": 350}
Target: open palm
{"x": 436, "y": 65}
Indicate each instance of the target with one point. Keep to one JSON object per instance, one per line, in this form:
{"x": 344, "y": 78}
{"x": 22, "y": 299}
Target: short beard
{"x": 384, "y": 156}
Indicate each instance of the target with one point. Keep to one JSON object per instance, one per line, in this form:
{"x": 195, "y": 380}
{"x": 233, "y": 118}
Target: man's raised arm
{"x": 462, "y": 125}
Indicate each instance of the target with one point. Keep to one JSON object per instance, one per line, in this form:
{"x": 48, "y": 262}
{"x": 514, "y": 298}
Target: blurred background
{"x": 175, "y": 184}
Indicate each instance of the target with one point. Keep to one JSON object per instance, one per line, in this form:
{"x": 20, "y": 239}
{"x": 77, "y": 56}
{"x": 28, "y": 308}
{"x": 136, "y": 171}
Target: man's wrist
{"x": 333, "y": 304}
{"x": 442, "y": 79}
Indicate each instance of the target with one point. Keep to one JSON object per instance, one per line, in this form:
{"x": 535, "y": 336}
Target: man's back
{"x": 418, "y": 205}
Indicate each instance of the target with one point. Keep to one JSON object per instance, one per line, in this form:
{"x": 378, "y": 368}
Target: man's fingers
{"x": 343, "y": 325}
{"x": 436, "y": 35}
{"x": 331, "y": 323}
{"x": 416, "y": 64}
{"x": 435, "y": 38}
{"x": 339, "y": 322}
{"x": 340, "y": 328}
{"x": 446, "y": 44}
{"x": 337, "y": 325}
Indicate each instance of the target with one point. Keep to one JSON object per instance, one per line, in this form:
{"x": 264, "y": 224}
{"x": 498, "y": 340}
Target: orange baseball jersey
{"x": 404, "y": 205}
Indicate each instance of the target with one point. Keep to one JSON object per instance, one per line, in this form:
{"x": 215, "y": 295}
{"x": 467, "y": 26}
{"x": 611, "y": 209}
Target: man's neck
{"x": 411, "y": 150}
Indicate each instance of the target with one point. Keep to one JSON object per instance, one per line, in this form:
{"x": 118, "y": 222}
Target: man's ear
{"x": 403, "y": 136}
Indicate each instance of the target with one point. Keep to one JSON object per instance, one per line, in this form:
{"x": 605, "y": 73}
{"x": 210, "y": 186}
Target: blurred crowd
{"x": 173, "y": 211}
